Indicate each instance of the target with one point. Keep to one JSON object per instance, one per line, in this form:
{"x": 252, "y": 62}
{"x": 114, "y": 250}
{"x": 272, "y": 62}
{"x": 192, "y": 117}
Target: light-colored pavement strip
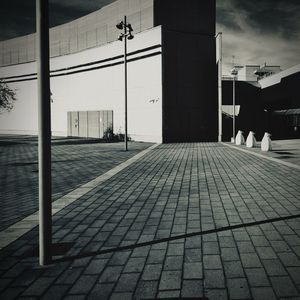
{"x": 18, "y": 229}
{"x": 240, "y": 148}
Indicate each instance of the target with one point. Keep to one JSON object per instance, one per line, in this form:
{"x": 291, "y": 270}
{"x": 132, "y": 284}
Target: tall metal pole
{"x": 220, "y": 85}
{"x": 233, "y": 104}
{"x": 125, "y": 69}
{"x": 44, "y": 120}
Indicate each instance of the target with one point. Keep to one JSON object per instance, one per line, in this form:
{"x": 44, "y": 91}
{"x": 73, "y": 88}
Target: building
{"x": 270, "y": 103}
{"x": 172, "y": 82}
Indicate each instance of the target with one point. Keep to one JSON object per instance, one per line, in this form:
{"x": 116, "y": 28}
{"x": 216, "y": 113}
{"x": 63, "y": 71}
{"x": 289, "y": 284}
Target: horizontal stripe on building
{"x": 68, "y": 70}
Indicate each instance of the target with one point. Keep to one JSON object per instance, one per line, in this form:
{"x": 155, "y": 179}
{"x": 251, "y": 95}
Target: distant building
{"x": 268, "y": 100}
{"x": 252, "y": 73}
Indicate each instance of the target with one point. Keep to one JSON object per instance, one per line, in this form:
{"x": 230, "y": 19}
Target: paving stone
{"x": 146, "y": 290}
{"x": 257, "y": 277}
{"x": 4, "y": 282}
{"x": 192, "y": 289}
{"x": 274, "y": 267}
{"x": 84, "y": 284}
{"x": 152, "y": 272}
{"x": 96, "y": 266}
{"x": 103, "y": 290}
{"x": 227, "y": 241}
{"x": 135, "y": 264}
{"x": 175, "y": 249}
{"x": 212, "y": 262}
{"x": 211, "y": 248}
{"x": 263, "y": 293}
{"x": 56, "y": 292}
{"x": 193, "y": 255}
{"x": 31, "y": 276}
{"x": 193, "y": 242}
{"x": 127, "y": 282}
{"x": 295, "y": 274}
{"x": 121, "y": 296}
{"x": 245, "y": 247}
{"x": 39, "y": 286}
{"x": 238, "y": 288}
{"x": 214, "y": 279}
{"x": 168, "y": 294}
{"x": 284, "y": 287}
{"x": 173, "y": 263}
{"x": 216, "y": 294}
{"x": 193, "y": 270}
{"x": 229, "y": 254}
{"x": 69, "y": 276}
{"x": 75, "y": 297}
{"x": 170, "y": 280}
{"x": 156, "y": 256}
{"x": 11, "y": 293}
{"x": 250, "y": 260}
{"x": 111, "y": 274}
{"x": 280, "y": 246}
{"x": 119, "y": 258}
{"x": 233, "y": 269}
{"x": 289, "y": 259}
{"x": 266, "y": 253}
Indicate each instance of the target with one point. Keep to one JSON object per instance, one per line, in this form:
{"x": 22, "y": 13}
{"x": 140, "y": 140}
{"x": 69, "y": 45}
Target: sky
{"x": 254, "y": 31}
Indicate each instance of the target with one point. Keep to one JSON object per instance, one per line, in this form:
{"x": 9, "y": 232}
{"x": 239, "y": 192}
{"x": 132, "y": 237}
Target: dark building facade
{"x": 274, "y": 109}
{"x": 189, "y": 69}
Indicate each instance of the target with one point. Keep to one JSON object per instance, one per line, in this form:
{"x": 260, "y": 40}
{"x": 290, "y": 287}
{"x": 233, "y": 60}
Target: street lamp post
{"x": 44, "y": 120}
{"x": 234, "y": 73}
{"x": 126, "y": 34}
{"x": 219, "y": 61}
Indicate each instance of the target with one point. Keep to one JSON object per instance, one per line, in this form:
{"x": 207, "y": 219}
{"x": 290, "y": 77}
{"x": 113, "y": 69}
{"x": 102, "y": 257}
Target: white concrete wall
{"x": 94, "y": 29}
{"x": 247, "y": 73}
{"x": 101, "y": 89}
{"x": 276, "y": 78}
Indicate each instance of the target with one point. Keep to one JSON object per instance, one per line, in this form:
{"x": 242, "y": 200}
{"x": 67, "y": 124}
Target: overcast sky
{"x": 254, "y": 31}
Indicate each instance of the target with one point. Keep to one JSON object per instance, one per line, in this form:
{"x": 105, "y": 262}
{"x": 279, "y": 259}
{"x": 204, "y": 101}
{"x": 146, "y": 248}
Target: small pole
{"x": 125, "y": 69}
{"x": 220, "y": 86}
{"x": 233, "y": 104}
{"x": 44, "y": 121}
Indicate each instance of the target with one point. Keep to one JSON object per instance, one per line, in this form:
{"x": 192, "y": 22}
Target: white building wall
{"x": 101, "y": 89}
{"x": 276, "y": 78}
{"x": 247, "y": 73}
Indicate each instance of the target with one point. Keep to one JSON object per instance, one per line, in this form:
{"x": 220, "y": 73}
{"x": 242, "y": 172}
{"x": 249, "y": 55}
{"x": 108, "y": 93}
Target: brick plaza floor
{"x": 174, "y": 189}
{"x": 74, "y": 162}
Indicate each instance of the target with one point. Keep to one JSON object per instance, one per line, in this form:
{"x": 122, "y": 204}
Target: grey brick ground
{"x": 73, "y": 164}
{"x": 174, "y": 189}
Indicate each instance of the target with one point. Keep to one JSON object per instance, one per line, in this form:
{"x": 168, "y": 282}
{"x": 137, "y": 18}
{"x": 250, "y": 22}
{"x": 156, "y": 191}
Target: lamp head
{"x": 120, "y": 25}
{"x": 129, "y": 27}
{"x": 120, "y": 38}
{"x": 130, "y": 36}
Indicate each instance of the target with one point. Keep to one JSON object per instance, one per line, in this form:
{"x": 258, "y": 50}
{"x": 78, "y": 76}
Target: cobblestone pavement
{"x": 284, "y": 150}
{"x": 74, "y": 162}
{"x": 174, "y": 189}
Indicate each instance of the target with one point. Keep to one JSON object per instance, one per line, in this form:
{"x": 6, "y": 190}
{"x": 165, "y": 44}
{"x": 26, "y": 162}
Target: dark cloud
{"x": 277, "y": 17}
{"x": 17, "y": 17}
{"x": 255, "y": 32}
{"x": 61, "y": 12}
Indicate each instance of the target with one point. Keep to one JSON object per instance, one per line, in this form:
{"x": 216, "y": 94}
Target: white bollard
{"x": 239, "y": 139}
{"x": 251, "y": 141}
{"x": 266, "y": 143}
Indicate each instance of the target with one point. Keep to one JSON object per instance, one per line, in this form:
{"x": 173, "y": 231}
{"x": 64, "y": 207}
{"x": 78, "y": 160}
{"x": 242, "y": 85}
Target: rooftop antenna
{"x": 233, "y": 57}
